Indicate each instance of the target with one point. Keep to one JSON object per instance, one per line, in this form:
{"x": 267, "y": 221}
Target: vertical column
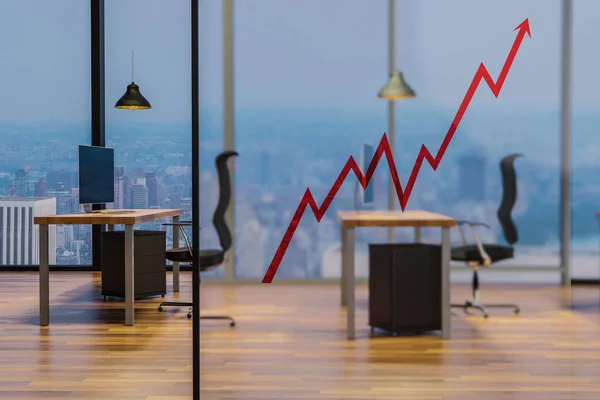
{"x": 228, "y": 124}
{"x": 3, "y": 248}
{"x": 565, "y": 147}
{"x": 25, "y": 234}
{"x": 17, "y": 231}
{"x": 391, "y": 110}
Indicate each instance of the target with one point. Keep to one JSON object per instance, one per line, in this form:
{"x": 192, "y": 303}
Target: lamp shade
{"x": 133, "y": 99}
{"x": 396, "y": 88}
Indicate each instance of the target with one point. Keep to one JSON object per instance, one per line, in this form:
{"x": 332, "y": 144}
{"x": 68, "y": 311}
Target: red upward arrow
{"x": 424, "y": 154}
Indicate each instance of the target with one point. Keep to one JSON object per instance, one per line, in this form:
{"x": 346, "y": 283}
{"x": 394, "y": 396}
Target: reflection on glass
{"x": 290, "y": 142}
{"x": 44, "y": 115}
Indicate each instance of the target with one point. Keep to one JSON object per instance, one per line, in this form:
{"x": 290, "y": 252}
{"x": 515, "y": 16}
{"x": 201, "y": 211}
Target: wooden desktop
{"x": 128, "y": 218}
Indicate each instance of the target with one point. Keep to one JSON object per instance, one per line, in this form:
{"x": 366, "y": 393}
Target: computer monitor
{"x": 366, "y": 155}
{"x": 96, "y": 175}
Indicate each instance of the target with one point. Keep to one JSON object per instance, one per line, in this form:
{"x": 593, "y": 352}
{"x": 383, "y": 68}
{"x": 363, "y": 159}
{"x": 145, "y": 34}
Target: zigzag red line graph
{"x": 384, "y": 147}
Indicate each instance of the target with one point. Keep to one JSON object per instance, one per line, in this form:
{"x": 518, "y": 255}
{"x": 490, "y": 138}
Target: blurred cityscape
{"x": 270, "y": 177}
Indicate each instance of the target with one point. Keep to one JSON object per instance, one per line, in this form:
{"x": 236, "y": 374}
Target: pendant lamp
{"x": 396, "y": 88}
{"x": 133, "y": 98}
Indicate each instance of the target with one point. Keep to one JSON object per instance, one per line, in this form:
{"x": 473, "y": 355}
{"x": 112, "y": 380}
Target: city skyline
{"x": 266, "y": 193}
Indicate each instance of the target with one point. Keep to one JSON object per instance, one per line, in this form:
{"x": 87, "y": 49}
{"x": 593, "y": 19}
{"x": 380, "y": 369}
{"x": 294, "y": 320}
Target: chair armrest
{"x": 473, "y": 223}
{"x": 486, "y": 258}
{"x": 185, "y": 223}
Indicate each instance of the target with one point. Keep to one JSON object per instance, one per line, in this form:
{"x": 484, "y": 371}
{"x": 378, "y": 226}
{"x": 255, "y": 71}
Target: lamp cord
{"x": 132, "y": 37}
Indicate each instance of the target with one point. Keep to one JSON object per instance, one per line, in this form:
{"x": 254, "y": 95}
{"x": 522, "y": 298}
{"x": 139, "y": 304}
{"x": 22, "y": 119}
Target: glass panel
{"x": 440, "y": 57}
{"x": 44, "y": 115}
{"x": 306, "y": 99}
{"x": 153, "y": 146}
{"x": 585, "y": 238}
{"x": 211, "y": 117}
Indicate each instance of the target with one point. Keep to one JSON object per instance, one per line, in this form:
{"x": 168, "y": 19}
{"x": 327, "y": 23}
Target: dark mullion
{"x": 195, "y": 201}
{"x": 98, "y": 107}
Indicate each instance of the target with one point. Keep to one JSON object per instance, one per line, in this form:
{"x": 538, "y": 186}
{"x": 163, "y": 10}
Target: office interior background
{"x": 305, "y": 100}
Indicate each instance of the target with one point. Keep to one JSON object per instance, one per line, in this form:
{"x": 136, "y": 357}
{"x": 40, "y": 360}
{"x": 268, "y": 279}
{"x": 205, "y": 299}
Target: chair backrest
{"x": 509, "y": 198}
{"x": 224, "y": 199}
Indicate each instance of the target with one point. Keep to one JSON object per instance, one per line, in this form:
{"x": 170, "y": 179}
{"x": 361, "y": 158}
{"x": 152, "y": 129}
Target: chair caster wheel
{"x": 162, "y": 295}
{"x": 160, "y": 308}
{"x": 517, "y": 311}
{"x": 189, "y": 315}
{"x": 232, "y": 324}
{"x": 485, "y": 315}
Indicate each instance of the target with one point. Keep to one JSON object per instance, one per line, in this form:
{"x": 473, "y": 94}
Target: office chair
{"x": 479, "y": 254}
{"x": 213, "y": 258}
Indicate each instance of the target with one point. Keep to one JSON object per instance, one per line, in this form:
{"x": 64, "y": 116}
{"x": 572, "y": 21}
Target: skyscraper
{"x": 40, "y": 188}
{"x": 127, "y": 198}
{"x": 152, "y": 184}
{"x": 119, "y": 188}
{"x": 472, "y": 178}
{"x": 139, "y": 194}
{"x": 18, "y": 235}
{"x": 21, "y": 183}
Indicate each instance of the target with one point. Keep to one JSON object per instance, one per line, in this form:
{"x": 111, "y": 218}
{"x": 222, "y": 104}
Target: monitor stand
{"x": 87, "y": 208}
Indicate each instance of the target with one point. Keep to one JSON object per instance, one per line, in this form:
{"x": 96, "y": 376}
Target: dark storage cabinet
{"x": 405, "y": 287}
{"x": 150, "y": 274}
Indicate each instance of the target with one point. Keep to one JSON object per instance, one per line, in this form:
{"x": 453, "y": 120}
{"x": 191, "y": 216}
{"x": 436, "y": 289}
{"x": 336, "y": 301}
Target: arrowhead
{"x": 524, "y": 26}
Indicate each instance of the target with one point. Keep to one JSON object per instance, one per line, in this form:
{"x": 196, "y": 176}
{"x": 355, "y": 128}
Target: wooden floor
{"x": 290, "y": 344}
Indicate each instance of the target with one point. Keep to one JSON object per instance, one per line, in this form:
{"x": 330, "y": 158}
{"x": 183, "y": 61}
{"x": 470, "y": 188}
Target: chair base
{"x": 482, "y": 307}
{"x": 191, "y": 309}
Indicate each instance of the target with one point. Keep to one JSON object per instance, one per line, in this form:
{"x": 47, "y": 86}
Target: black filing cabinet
{"x": 150, "y": 274}
{"x": 405, "y": 287}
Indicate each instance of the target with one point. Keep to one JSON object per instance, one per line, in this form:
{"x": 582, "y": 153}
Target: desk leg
{"x": 44, "y": 277}
{"x": 344, "y": 261}
{"x": 175, "y": 264}
{"x": 110, "y": 228}
{"x": 446, "y": 283}
{"x": 348, "y": 235}
{"x": 417, "y": 234}
{"x": 129, "y": 275}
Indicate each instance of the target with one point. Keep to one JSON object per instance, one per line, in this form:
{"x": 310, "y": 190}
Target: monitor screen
{"x": 367, "y": 153}
{"x": 96, "y": 175}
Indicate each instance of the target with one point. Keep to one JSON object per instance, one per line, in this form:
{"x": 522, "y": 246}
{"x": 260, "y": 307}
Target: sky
{"x": 289, "y": 54}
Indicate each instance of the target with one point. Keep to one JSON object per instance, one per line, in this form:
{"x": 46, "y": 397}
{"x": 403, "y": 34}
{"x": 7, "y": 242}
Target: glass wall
{"x": 152, "y": 147}
{"x": 306, "y": 98}
{"x": 440, "y": 56}
{"x": 44, "y": 115}
{"x": 211, "y": 117}
{"x": 153, "y": 155}
{"x": 307, "y": 75}
{"x": 585, "y": 236}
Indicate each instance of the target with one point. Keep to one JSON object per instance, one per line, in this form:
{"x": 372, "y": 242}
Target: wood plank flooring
{"x": 289, "y": 343}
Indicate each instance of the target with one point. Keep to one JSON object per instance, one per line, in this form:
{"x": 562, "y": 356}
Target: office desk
{"x": 128, "y": 219}
{"x": 350, "y": 220}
